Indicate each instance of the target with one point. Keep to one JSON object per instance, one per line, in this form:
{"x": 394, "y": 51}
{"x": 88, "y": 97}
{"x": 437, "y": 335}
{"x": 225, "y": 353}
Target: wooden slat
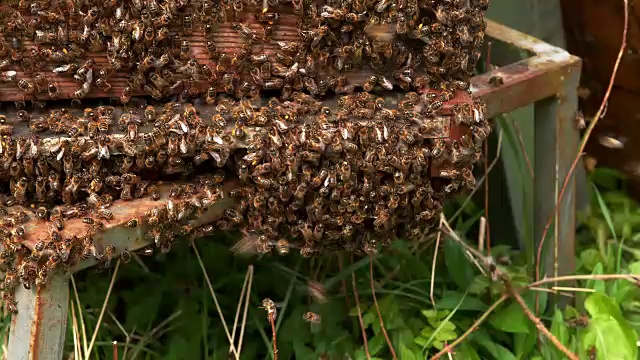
{"x": 226, "y": 39}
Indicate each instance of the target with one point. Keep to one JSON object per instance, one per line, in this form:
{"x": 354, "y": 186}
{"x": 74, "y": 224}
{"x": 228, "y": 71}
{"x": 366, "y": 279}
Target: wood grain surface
{"x": 226, "y": 39}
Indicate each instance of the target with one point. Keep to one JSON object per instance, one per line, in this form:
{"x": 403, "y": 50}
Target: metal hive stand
{"x": 549, "y": 79}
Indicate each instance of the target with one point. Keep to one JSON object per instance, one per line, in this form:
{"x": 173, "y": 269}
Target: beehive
{"x": 294, "y": 99}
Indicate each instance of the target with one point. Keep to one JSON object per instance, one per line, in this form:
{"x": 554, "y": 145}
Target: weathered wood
{"x": 226, "y": 39}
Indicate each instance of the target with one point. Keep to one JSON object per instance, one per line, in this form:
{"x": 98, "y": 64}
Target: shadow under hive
{"x": 331, "y": 162}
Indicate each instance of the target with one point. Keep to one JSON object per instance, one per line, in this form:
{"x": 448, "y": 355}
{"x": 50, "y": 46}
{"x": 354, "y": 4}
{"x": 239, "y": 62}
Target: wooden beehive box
{"x": 344, "y": 125}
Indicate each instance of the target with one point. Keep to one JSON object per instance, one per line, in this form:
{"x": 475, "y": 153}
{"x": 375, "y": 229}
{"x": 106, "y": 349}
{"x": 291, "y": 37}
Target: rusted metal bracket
{"x": 548, "y": 79}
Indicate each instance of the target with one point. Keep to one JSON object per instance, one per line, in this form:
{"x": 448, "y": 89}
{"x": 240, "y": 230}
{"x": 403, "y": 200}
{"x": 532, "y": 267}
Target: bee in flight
{"x": 311, "y": 317}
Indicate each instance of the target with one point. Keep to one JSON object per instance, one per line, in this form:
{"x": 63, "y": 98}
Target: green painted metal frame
{"x": 548, "y": 79}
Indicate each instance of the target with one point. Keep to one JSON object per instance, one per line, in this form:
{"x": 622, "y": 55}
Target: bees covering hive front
{"x": 294, "y": 99}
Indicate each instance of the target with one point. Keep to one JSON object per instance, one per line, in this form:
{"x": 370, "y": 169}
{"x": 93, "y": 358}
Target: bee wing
{"x": 384, "y": 32}
{"x": 60, "y": 154}
{"x": 317, "y": 291}
{"x": 611, "y": 142}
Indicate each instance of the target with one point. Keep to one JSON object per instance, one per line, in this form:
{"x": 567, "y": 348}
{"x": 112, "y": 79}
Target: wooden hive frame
{"x": 226, "y": 39}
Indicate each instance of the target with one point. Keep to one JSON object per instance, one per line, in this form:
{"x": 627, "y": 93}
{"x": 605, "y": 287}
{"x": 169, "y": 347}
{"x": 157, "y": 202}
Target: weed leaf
{"x": 510, "y": 319}
{"x": 458, "y": 265}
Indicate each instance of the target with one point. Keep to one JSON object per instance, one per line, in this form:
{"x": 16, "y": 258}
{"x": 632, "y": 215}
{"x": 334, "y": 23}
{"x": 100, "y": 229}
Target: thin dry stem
{"x": 472, "y": 328}
{"x": 538, "y": 323}
{"x": 118, "y": 324}
{"x": 115, "y": 350}
{"x": 454, "y": 236}
{"x": 127, "y": 340}
{"x": 375, "y": 302}
{"x": 104, "y": 307}
{"x": 547, "y": 290}
{"x": 74, "y": 327}
{"x": 497, "y": 274}
{"x": 246, "y": 309}
{"x": 475, "y": 262}
{"x": 576, "y": 289}
{"x": 235, "y": 320}
{"x": 433, "y": 264}
{"x": 523, "y": 149}
{"x": 587, "y": 134}
{"x": 581, "y": 277}
{"x": 155, "y": 332}
{"x": 137, "y": 259}
{"x": 82, "y": 328}
{"x": 272, "y": 320}
{"x": 486, "y": 195}
{"x": 215, "y": 298}
{"x": 357, "y": 299}
{"x": 483, "y": 232}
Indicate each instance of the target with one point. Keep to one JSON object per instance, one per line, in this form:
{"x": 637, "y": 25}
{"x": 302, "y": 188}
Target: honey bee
{"x": 311, "y": 317}
{"x": 106, "y": 255}
{"x": 317, "y": 291}
{"x": 105, "y": 214}
{"x": 27, "y": 87}
{"x": 103, "y": 85}
{"x": 270, "y": 306}
{"x": 187, "y": 24}
{"x": 185, "y": 50}
{"x": 154, "y": 194}
{"x": 125, "y": 97}
{"x": 579, "y": 321}
{"x": 245, "y": 31}
{"x": 41, "y": 213}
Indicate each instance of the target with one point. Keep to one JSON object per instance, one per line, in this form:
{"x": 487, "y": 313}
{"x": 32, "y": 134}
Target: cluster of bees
{"x": 331, "y": 162}
{"x": 354, "y": 177}
{"x": 164, "y": 48}
{"x": 313, "y": 177}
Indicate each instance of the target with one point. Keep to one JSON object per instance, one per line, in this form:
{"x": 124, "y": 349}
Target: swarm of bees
{"x": 165, "y": 48}
{"x": 331, "y": 162}
{"x": 354, "y": 177}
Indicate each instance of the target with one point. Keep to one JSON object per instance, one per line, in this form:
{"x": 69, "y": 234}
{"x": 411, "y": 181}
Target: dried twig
{"x": 587, "y": 134}
{"x": 357, "y": 299}
{"x": 80, "y": 316}
{"x": 576, "y": 289}
{"x": 483, "y": 232}
{"x": 497, "y": 274}
{"x": 215, "y": 299}
{"x": 74, "y": 327}
{"x": 538, "y": 323}
{"x": 523, "y": 149}
{"x": 375, "y": 302}
{"x": 272, "y": 320}
{"x": 127, "y": 340}
{"x": 581, "y": 277}
{"x": 115, "y": 350}
{"x": 246, "y": 309}
{"x": 486, "y": 196}
{"x": 433, "y": 264}
{"x": 472, "y": 328}
{"x": 235, "y": 320}
{"x": 104, "y": 307}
